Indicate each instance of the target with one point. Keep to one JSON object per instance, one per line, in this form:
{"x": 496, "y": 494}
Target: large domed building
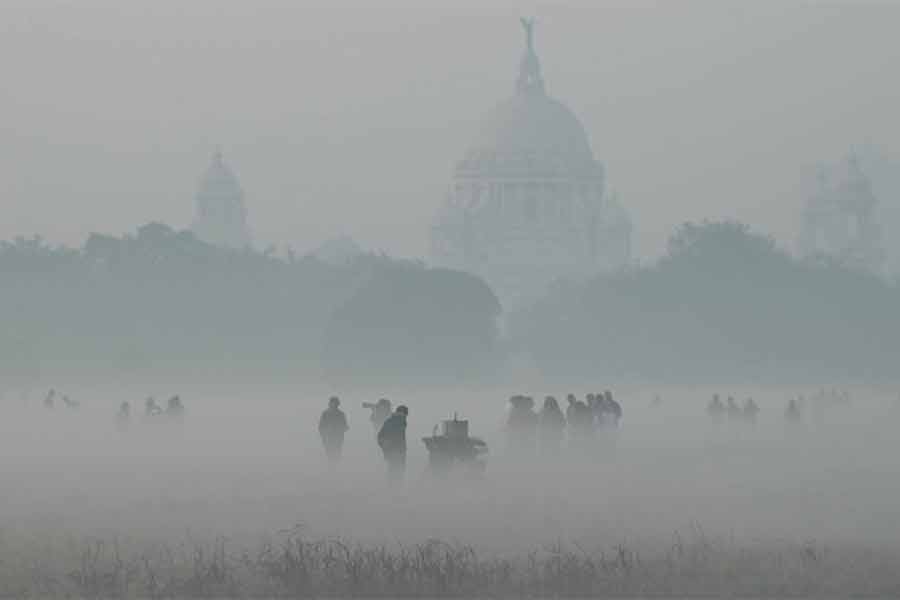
{"x": 526, "y": 204}
{"x": 221, "y": 217}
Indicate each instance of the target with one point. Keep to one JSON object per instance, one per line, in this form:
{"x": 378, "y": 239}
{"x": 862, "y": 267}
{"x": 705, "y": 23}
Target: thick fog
{"x": 246, "y": 464}
{"x": 347, "y": 117}
{"x": 747, "y": 327}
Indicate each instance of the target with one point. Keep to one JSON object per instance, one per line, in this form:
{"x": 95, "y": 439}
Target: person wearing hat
{"x": 392, "y": 441}
{"x": 332, "y": 427}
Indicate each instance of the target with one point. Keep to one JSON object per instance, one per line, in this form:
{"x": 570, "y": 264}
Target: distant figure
{"x": 522, "y": 424}
{"x": 716, "y": 409}
{"x": 594, "y": 402}
{"x": 792, "y": 412}
{"x": 70, "y": 403}
{"x": 332, "y": 427}
{"x": 734, "y": 411}
{"x": 571, "y": 409}
{"x": 49, "y": 399}
{"x": 151, "y": 408}
{"x": 123, "y": 416}
{"x": 611, "y": 410}
{"x": 750, "y": 410}
{"x": 551, "y": 426}
{"x": 392, "y": 441}
{"x": 580, "y": 418}
{"x": 381, "y": 410}
{"x": 174, "y": 408}
{"x": 657, "y": 401}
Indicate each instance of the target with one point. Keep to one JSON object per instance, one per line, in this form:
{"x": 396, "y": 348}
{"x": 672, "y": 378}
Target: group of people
{"x": 731, "y": 410}
{"x": 793, "y": 411}
{"x": 545, "y": 430}
{"x": 50, "y": 400}
{"x": 389, "y": 426}
{"x": 174, "y": 410}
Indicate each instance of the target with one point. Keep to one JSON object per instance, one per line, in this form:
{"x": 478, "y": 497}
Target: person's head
{"x": 402, "y": 410}
{"x": 571, "y": 399}
{"x": 550, "y": 403}
{"x": 384, "y": 403}
{"x": 125, "y": 407}
{"x": 334, "y": 402}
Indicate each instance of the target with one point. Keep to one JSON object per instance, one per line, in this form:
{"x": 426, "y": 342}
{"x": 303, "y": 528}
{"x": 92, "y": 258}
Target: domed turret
{"x": 526, "y": 204}
{"x": 221, "y": 217}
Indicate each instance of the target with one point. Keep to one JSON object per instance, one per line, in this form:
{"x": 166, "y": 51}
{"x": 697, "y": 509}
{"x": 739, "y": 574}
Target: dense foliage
{"x": 432, "y": 323}
{"x": 162, "y": 300}
{"x": 723, "y": 303}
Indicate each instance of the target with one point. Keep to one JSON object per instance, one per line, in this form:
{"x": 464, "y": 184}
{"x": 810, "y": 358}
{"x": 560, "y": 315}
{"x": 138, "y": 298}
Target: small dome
{"x": 341, "y": 250}
{"x": 219, "y": 180}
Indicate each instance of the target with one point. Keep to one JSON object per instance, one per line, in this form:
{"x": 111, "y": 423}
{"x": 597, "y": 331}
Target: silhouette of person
{"x": 392, "y": 441}
{"x": 123, "y": 416}
{"x": 50, "y": 399}
{"x": 174, "y": 408}
{"x": 750, "y": 410}
{"x": 792, "y": 411}
{"x": 612, "y": 410}
{"x": 551, "y": 426}
{"x": 715, "y": 409}
{"x": 522, "y": 425}
{"x": 151, "y": 408}
{"x": 734, "y": 411}
{"x": 332, "y": 427}
{"x": 580, "y": 418}
{"x": 571, "y": 409}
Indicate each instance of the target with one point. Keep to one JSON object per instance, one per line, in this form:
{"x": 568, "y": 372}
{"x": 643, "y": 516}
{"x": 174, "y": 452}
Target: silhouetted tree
{"x": 409, "y": 322}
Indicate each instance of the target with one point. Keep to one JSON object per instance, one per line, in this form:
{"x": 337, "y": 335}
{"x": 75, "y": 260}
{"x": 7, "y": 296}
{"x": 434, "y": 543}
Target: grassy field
{"x": 237, "y": 501}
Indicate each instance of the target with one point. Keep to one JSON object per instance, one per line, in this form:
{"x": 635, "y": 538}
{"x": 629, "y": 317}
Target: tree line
{"x": 162, "y": 301}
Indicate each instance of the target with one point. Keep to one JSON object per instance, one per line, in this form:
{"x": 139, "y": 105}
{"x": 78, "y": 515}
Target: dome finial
{"x": 530, "y": 79}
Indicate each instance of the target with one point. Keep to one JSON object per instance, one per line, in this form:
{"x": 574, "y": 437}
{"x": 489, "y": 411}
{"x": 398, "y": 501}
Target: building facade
{"x": 527, "y": 202}
{"x": 840, "y": 220}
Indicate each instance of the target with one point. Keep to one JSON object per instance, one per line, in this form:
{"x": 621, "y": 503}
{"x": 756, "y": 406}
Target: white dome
{"x": 530, "y": 132}
{"x": 221, "y": 217}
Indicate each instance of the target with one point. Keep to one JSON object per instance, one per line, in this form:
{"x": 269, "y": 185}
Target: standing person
{"x": 123, "y": 417}
{"x": 750, "y": 410}
{"x": 151, "y": 408}
{"x": 715, "y": 409}
{"x": 175, "y": 409}
{"x": 612, "y": 410}
{"x": 392, "y": 441}
{"x": 332, "y": 427}
{"x": 571, "y": 409}
{"x": 580, "y": 418}
{"x": 792, "y": 412}
{"x": 49, "y": 399}
{"x": 734, "y": 411}
{"x": 522, "y": 425}
{"x": 551, "y": 425}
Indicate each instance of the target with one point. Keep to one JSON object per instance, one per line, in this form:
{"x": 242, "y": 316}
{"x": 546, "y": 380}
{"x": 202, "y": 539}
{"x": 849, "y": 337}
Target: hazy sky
{"x": 346, "y": 117}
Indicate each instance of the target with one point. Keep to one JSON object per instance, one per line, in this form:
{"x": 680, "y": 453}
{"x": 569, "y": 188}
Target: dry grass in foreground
{"x": 293, "y": 565}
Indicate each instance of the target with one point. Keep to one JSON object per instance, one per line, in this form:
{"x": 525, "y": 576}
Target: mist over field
{"x": 470, "y": 299}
